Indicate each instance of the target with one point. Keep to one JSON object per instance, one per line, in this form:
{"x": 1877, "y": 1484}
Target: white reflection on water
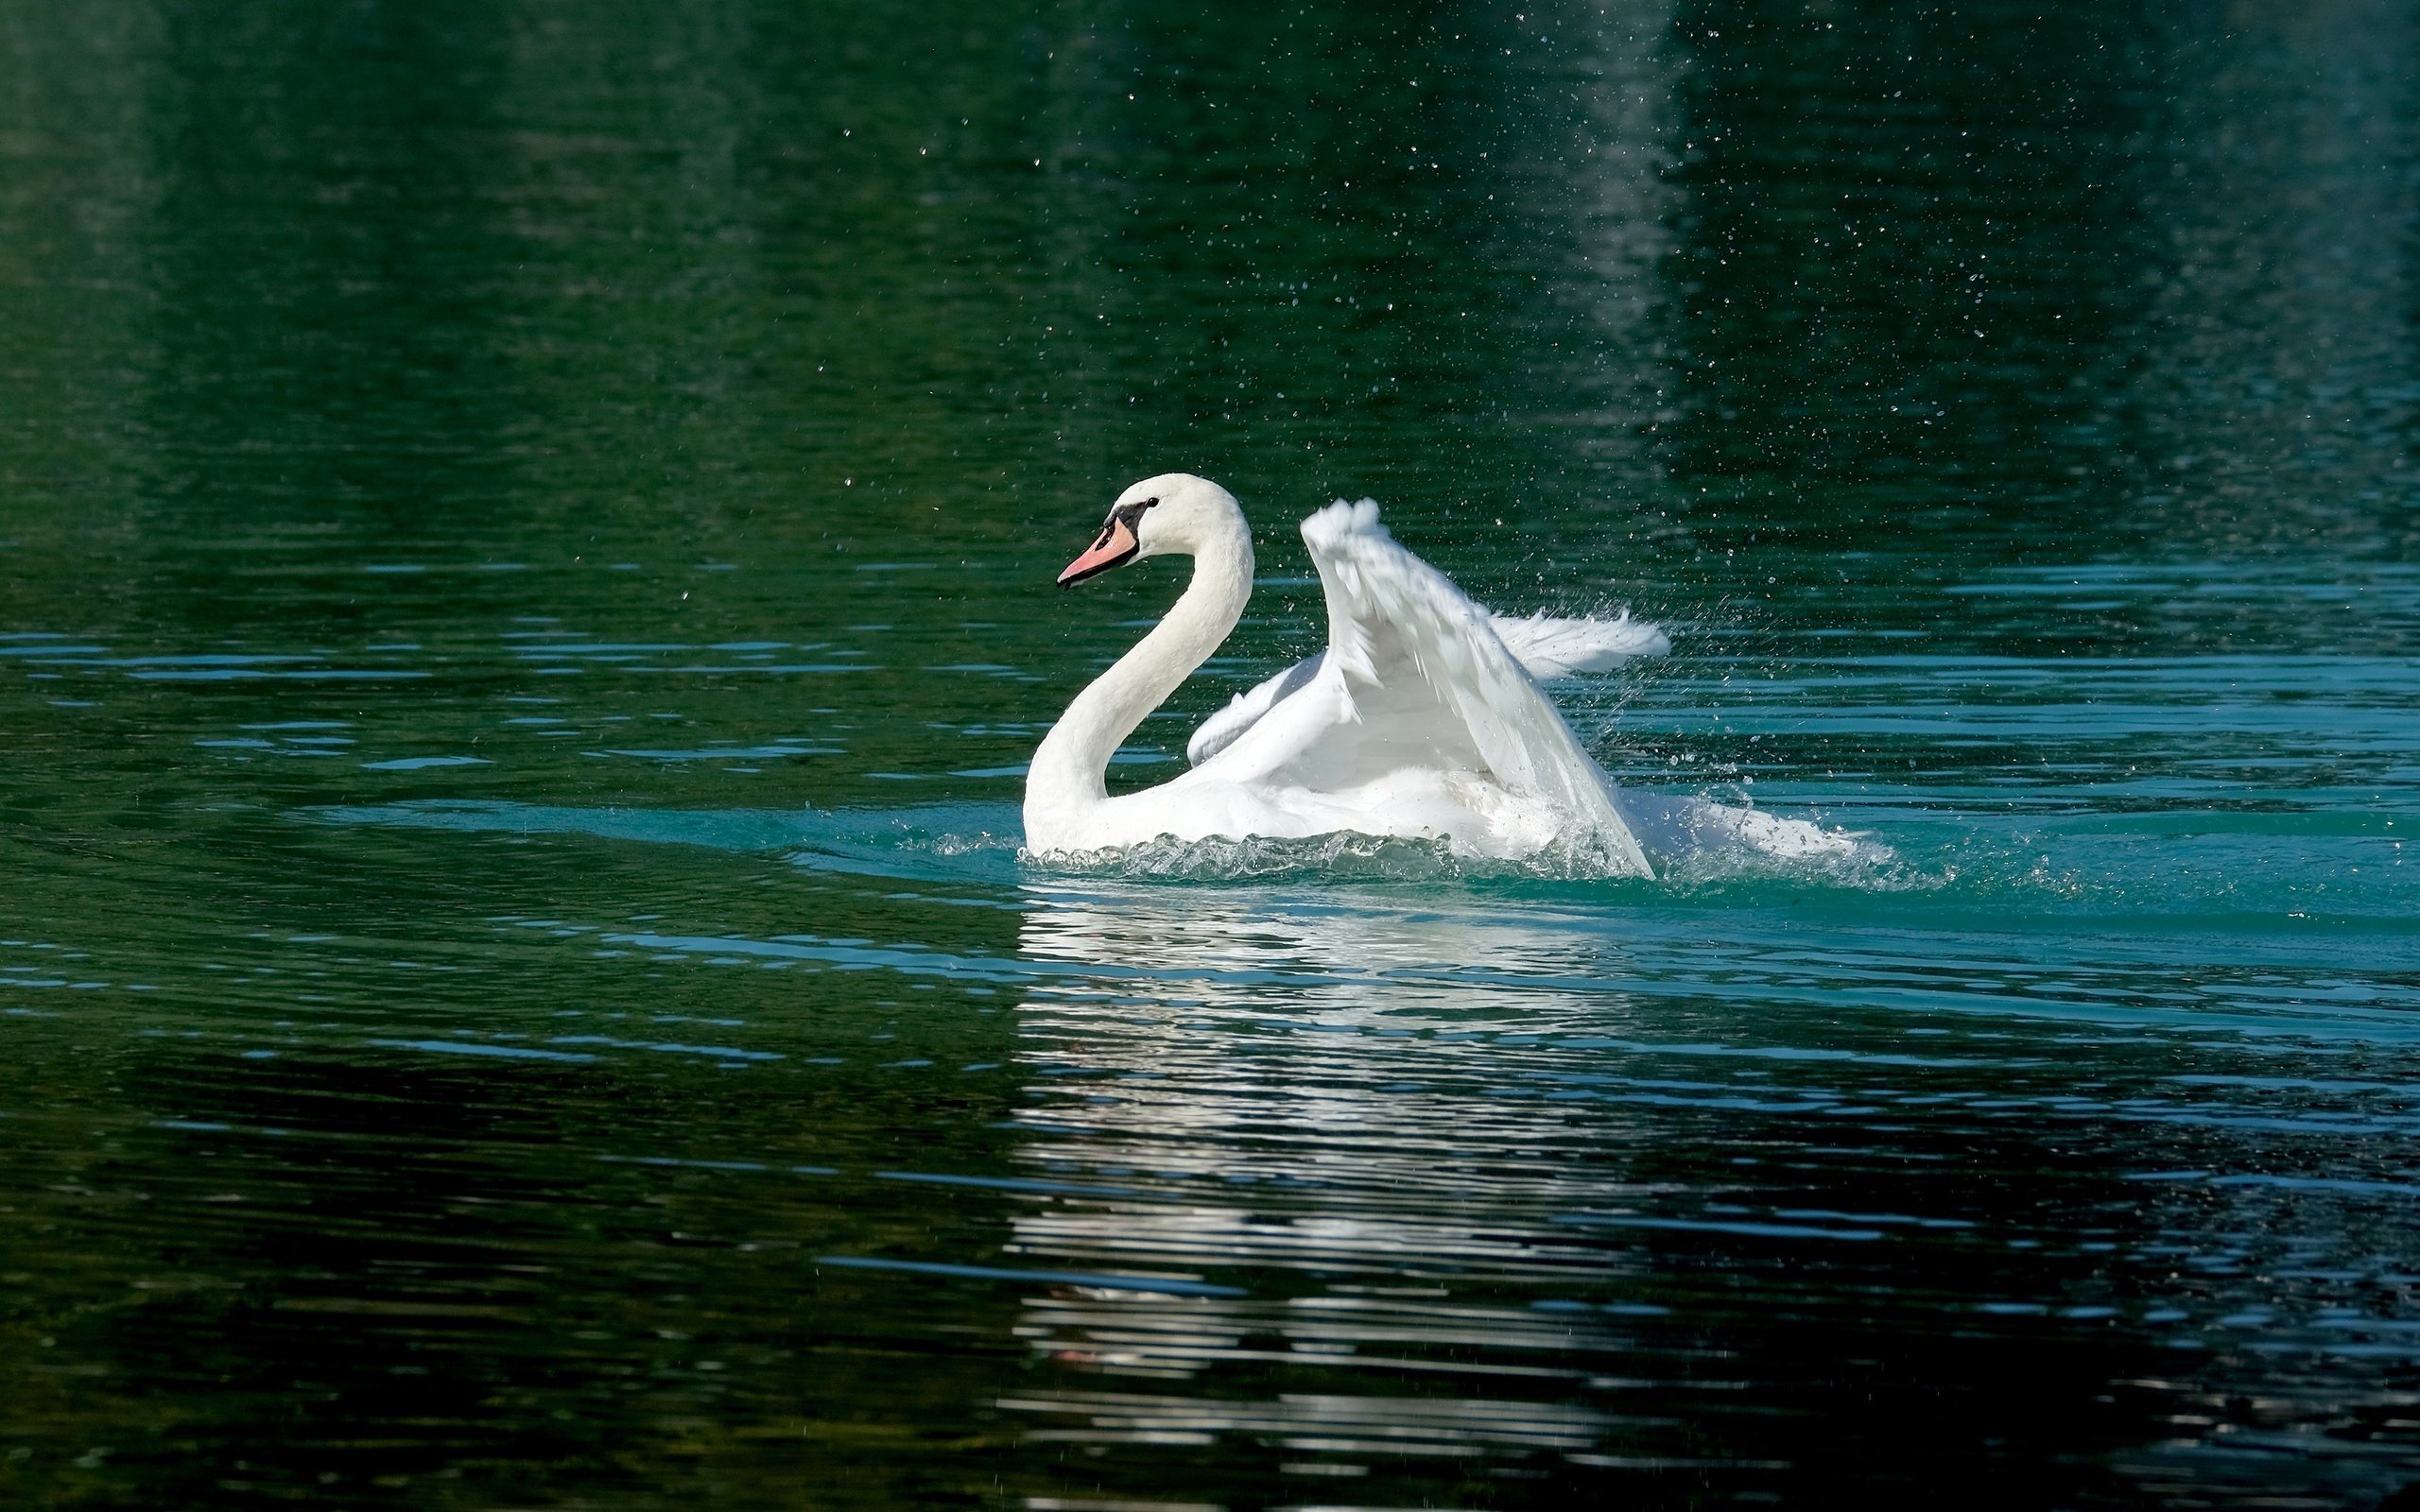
{"x": 1478, "y": 1147}
{"x": 1303, "y": 1073}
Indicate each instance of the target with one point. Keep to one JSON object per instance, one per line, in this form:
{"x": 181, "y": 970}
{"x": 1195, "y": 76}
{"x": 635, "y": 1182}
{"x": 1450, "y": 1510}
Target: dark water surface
{"x": 526, "y": 535}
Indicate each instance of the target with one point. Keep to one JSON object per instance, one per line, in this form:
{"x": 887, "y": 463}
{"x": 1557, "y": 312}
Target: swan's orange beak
{"x": 1116, "y": 544}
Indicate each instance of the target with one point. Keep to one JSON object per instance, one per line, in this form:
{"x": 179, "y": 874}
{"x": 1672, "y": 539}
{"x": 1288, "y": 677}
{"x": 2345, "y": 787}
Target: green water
{"x": 526, "y": 541}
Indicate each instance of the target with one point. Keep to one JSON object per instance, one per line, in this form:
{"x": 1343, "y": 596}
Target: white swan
{"x": 1421, "y": 718}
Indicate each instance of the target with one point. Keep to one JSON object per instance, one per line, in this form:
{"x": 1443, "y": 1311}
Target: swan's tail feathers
{"x": 1391, "y": 616}
{"x": 1551, "y": 647}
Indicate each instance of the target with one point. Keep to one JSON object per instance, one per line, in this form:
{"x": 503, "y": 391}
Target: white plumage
{"x": 1421, "y": 718}
{"x": 1546, "y": 646}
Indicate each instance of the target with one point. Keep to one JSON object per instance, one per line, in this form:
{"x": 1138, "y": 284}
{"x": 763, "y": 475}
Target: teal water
{"x": 526, "y": 541}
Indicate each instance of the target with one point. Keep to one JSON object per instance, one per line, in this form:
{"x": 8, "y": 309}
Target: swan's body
{"x": 1418, "y": 720}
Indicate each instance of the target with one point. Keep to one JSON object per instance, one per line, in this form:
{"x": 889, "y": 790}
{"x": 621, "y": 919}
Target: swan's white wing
{"x": 1546, "y": 646}
{"x": 1416, "y": 674}
{"x": 1550, "y": 647}
{"x": 1219, "y": 731}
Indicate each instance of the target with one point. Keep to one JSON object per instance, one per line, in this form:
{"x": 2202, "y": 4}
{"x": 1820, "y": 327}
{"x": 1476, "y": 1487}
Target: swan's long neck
{"x": 1068, "y": 777}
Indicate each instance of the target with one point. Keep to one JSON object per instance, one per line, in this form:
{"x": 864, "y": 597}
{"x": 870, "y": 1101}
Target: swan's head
{"x": 1175, "y": 514}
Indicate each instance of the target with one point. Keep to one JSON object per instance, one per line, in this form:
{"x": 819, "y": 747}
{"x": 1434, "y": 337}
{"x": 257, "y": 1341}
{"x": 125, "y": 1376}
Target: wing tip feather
{"x": 1328, "y": 527}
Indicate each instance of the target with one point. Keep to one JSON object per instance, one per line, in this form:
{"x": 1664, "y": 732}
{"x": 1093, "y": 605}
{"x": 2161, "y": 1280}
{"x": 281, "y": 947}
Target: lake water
{"x": 525, "y": 549}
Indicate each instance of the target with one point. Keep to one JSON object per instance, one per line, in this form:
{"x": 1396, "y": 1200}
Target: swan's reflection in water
{"x": 1327, "y": 1102}
{"x": 1517, "y": 1185}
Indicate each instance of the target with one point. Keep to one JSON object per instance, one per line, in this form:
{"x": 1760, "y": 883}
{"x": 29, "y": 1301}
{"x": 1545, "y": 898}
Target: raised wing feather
{"x": 1415, "y": 674}
{"x": 1546, "y": 646}
{"x": 1219, "y": 731}
{"x": 1551, "y": 647}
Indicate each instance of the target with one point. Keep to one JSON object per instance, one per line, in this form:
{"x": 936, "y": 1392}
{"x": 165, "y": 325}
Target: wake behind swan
{"x": 1422, "y": 719}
